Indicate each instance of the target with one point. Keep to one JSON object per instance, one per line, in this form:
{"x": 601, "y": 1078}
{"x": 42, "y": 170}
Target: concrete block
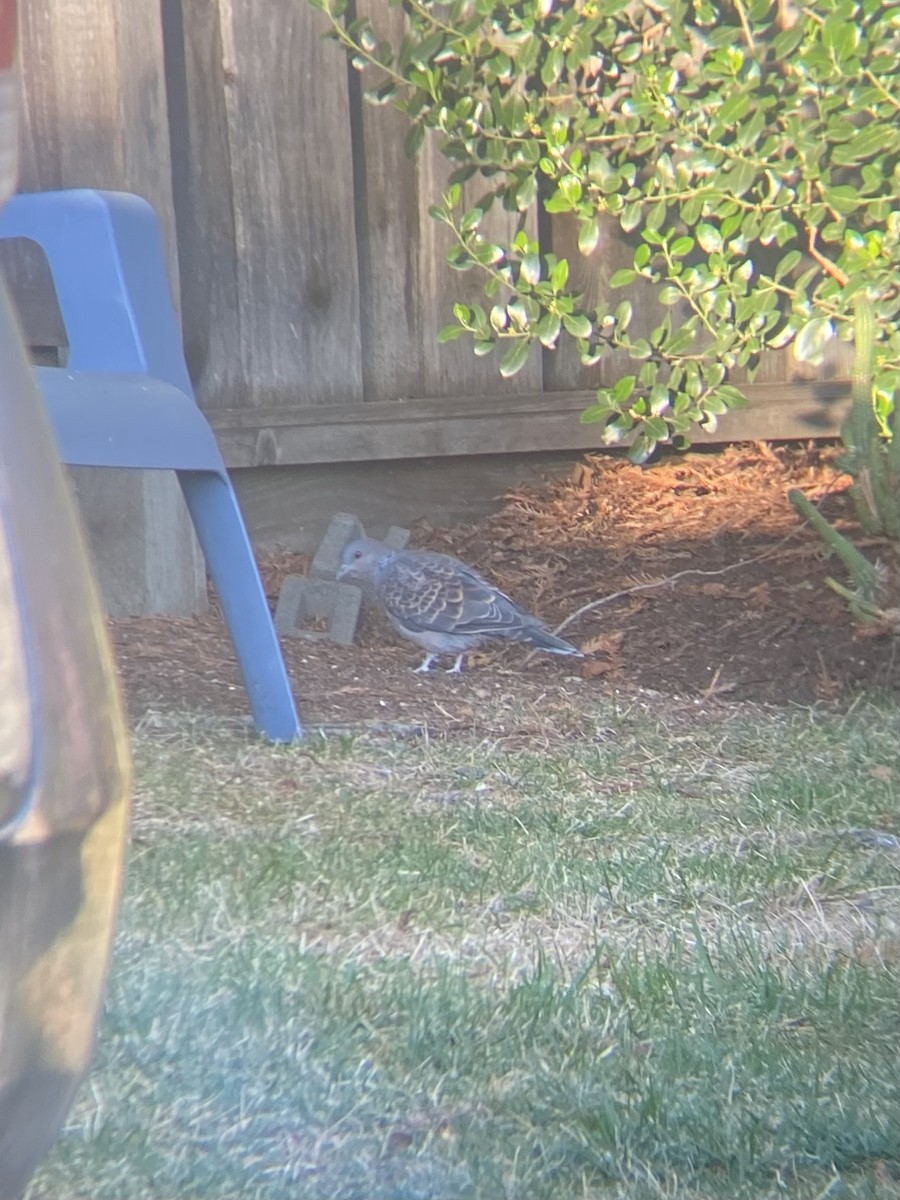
{"x": 303, "y": 600}
{"x": 397, "y": 538}
{"x": 319, "y": 598}
{"x": 142, "y": 541}
{"x": 343, "y": 528}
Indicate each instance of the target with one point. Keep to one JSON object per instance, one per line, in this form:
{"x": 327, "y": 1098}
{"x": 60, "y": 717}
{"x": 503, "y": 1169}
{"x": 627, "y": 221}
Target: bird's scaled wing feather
{"x": 439, "y": 595}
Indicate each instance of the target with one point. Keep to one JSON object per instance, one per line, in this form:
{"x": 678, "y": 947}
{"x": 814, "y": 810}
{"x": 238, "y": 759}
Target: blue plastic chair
{"x": 125, "y": 400}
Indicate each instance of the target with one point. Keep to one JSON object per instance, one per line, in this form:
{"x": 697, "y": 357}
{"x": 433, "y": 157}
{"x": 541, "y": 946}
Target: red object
{"x": 7, "y": 33}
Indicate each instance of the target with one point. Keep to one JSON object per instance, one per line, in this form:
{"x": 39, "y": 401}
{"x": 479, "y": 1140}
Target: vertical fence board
{"x": 292, "y": 190}
{"x": 388, "y": 230}
{"x": 204, "y": 207}
{"x": 94, "y": 104}
{"x": 408, "y": 290}
{"x": 94, "y": 114}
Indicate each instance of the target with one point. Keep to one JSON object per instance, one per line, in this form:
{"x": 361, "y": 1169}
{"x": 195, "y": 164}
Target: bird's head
{"x": 363, "y": 558}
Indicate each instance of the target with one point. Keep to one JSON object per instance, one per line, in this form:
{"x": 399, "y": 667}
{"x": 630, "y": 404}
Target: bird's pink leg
{"x": 457, "y": 667}
{"x": 425, "y": 664}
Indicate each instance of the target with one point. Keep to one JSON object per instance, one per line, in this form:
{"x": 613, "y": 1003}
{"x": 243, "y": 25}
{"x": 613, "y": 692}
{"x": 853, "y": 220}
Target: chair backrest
{"x": 105, "y": 254}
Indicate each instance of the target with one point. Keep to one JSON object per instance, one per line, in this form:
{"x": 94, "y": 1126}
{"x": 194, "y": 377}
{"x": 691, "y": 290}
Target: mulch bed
{"x": 742, "y": 612}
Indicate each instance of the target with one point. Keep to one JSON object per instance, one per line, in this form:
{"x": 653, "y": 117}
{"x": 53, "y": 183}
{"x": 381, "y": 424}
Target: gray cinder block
{"x": 145, "y": 553}
{"x": 319, "y": 597}
{"x": 343, "y": 528}
{"x": 302, "y": 600}
{"x": 396, "y": 537}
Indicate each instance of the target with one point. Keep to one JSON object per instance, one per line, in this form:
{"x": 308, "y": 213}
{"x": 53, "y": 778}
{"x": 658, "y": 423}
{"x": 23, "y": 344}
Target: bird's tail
{"x": 543, "y": 639}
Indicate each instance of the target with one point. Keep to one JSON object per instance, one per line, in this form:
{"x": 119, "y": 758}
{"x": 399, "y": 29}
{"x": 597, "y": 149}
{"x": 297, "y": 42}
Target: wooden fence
{"x": 312, "y": 280}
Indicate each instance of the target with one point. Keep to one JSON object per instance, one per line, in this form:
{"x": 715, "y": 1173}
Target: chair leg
{"x": 223, "y": 538}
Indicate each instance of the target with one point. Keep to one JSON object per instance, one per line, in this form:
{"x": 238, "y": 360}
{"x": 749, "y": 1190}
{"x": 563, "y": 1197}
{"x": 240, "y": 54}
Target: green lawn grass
{"x": 655, "y": 954}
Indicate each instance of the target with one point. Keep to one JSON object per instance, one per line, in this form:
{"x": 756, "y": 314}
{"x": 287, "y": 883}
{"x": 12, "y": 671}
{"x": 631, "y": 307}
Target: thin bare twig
{"x": 829, "y": 267}
{"x": 670, "y": 579}
{"x": 745, "y": 25}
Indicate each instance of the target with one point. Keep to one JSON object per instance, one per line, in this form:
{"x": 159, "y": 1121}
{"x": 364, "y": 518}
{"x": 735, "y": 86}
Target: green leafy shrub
{"x": 873, "y": 463}
{"x": 748, "y": 151}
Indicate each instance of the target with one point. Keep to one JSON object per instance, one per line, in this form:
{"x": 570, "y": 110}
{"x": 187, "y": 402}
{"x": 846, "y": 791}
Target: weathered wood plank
{"x": 291, "y": 188}
{"x": 204, "y": 209}
{"x": 388, "y": 233}
{"x": 94, "y": 114}
{"x": 24, "y": 265}
{"x": 94, "y": 105}
{"x": 495, "y": 424}
{"x": 407, "y": 289}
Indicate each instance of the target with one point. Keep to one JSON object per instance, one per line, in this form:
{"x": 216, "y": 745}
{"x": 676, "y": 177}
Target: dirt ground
{"x": 751, "y": 618}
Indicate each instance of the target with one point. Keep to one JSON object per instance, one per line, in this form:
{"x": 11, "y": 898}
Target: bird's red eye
{"x": 357, "y": 553}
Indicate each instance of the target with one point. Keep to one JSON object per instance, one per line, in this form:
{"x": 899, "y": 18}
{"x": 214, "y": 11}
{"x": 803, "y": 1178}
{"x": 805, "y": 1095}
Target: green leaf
{"x": 640, "y": 348}
{"x": 709, "y": 238}
{"x": 413, "y": 140}
{"x": 691, "y": 210}
{"x": 526, "y": 193}
{"x": 559, "y": 275}
{"x": 601, "y": 411}
{"x": 623, "y": 314}
{"x": 588, "y": 236}
{"x": 553, "y": 66}
{"x": 732, "y": 396}
{"x": 630, "y": 217}
{"x": 518, "y": 313}
{"x": 811, "y": 339}
{"x": 471, "y": 220}
{"x": 659, "y": 399}
{"x": 680, "y": 342}
{"x": 530, "y": 270}
{"x": 656, "y": 217}
{"x": 623, "y": 389}
{"x": 656, "y": 428}
{"x": 578, "y": 325}
{"x": 487, "y": 254}
{"x": 840, "y": 36}
{"x": 499, "y": 318}
{"x": 515, "y": 358}
{"x": 558, "y": 203}
{"x": 741, "y": 177}
{"x": 622, "y": 277}
{"x": 547, "y": 330}
{"x": 450, "y": 333}
{"x": 733, "y": 109}
{"x": 618, "y": 429}
{"x": 788, "y": 263}
{"x": 873, "y": 139}
{"x": 641, "y": 449}
{"x": 570, "y": 186}
{"x": 844, "y": 198}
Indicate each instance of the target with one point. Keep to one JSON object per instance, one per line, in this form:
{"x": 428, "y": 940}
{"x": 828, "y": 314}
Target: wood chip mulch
{"x": 746, "y": 616}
